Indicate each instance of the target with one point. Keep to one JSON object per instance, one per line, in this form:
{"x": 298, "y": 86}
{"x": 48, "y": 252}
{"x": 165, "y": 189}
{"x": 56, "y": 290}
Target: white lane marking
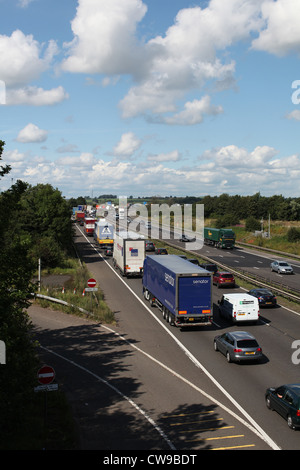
{"x": 255, "y": 426}
{"x": 139, "y": 409}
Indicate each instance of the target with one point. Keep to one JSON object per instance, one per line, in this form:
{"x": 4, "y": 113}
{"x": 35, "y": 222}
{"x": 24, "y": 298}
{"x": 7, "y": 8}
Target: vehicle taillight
{"x": 298, "y": 413}
{"x": 258, "y": 350}
{"x": 237, "y": 350}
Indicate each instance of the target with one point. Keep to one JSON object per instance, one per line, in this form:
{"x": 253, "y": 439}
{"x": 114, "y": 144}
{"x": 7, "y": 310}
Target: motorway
{"x": 190, "y": 396}
{"x": 239, "y": 387}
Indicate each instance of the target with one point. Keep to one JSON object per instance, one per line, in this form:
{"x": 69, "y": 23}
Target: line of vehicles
{"x": 182, "y": 290}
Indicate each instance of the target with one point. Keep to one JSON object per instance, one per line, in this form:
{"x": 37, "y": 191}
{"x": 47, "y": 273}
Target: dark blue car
{"x": 286, "y": 401}
{"x": 265, "y": 297}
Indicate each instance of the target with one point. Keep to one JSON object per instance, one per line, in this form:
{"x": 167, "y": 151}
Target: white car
{"x": 281, "y": 267}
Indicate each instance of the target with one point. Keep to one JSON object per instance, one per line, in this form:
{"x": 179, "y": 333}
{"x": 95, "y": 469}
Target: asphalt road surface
{"x": 145, "y": 385}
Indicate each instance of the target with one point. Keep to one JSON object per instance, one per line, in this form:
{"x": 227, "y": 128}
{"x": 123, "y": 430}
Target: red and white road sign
{"x": 46, "y": 375}
{"x": 91, "y": 282}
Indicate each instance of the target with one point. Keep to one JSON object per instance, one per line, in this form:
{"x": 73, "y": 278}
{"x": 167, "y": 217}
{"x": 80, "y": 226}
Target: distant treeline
{"x": 257, "y": 206}
{"x": 235, "y": 208}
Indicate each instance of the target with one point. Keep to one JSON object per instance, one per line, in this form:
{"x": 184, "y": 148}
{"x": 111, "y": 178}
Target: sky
{"x": 147, "y": 97}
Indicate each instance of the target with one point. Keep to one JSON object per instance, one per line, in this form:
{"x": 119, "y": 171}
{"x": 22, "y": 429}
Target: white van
{"x": 239, "y": 307}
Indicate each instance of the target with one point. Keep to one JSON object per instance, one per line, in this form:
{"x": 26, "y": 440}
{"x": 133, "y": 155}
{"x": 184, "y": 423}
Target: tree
{"x": 16, "y": 269}
{"x": 252, "y": 224}
{"x": 45, "y": 216}
{"x": 3, "y": 169}
{"x": 293, "y": 235}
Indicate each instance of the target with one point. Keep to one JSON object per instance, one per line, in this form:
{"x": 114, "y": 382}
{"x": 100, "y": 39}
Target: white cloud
{"x": 128, "y": 144}
{"x": 166, "y": 67}
{"x": 194, "y": 112}
{"x": 294, "y": 115}
{"x": 104, "y": 37}
{"x": 21, "y": 60}
{"x": 83, "y": 161}
{"x": 35, "y": 96}
{"x": 165, "y": 157}
{"x": 235, "y": 157}
{"x": 229, "y": 169}
{"x": 13, "y": 156}
{"x": 31, "y": 133}
{"x": 24, "y": 3}
{"x": 282, "y": 33}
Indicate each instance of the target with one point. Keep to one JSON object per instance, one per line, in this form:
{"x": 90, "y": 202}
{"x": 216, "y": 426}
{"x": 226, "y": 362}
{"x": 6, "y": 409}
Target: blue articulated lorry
{"x": 180, "y": 289}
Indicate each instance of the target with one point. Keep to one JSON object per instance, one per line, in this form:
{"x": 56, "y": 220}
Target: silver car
{"x": 281, "y": 267}
{"x": 238, "y": 346}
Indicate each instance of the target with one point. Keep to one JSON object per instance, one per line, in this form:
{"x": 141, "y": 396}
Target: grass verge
{"x": 73, "y": 292}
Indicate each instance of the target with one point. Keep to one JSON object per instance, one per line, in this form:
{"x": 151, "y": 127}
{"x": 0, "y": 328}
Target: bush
{"x": 252, "y": 224}
{"x": 227, "y": 220}
{"x": 293, "y": 234}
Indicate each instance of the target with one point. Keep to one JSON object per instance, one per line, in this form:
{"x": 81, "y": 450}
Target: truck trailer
{"x": 180, "y": 289}
{"x": 129, "y": 253}
{"x": 219, "y": 237}
{"x": 89, "y": 226}
{"x": 104, "y": 233}
{"x": 79, "y": 216}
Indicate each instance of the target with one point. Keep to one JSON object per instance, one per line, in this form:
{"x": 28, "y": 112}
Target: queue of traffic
{"x": 182, "y": 289}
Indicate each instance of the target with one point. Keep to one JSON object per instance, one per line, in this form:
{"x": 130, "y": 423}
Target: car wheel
{"x": 290, "y": 422}
{"x": 268, "y": 402}
{"x": 216, "y": 346}
{"x": 228, "y": 357}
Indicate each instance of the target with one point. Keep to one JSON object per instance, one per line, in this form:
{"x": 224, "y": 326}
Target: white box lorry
{"x": 129, "y": 253}
{"x": 239, "y": 307}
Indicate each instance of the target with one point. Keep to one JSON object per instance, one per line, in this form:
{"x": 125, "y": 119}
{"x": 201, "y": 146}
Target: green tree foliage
{"x": 3, "y": 169}
{"x": 252, "y": 224}
{"x": 293, "y": 234}
{"x": 257, "y": 206}
{"x": 45, "y": 216}
{"x": 16, "y": 269}
{"x": 34, "y": 222}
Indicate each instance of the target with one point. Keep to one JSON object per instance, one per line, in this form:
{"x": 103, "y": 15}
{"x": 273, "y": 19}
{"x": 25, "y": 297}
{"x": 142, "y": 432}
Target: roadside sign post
{"x": 91, "y": 288}
{"x": 45, "y": 376}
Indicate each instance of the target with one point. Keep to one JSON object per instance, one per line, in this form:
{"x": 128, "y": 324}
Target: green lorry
{"x": 219, "y": 237}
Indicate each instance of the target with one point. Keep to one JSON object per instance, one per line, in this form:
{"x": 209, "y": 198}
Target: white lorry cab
{"x": 239, "y": 307}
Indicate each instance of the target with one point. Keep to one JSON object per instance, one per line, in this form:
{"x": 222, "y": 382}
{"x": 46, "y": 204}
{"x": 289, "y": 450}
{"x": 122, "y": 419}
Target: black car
{"x": 265, "y": 297}
{"x": 286, "y": 401}
{"x": 209, "y": 267}
{"x": 150, "y": 246}
{"x": 161, "y": 251}
{"x": 194, "y": 261}
{"x": 108, "y": 251}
